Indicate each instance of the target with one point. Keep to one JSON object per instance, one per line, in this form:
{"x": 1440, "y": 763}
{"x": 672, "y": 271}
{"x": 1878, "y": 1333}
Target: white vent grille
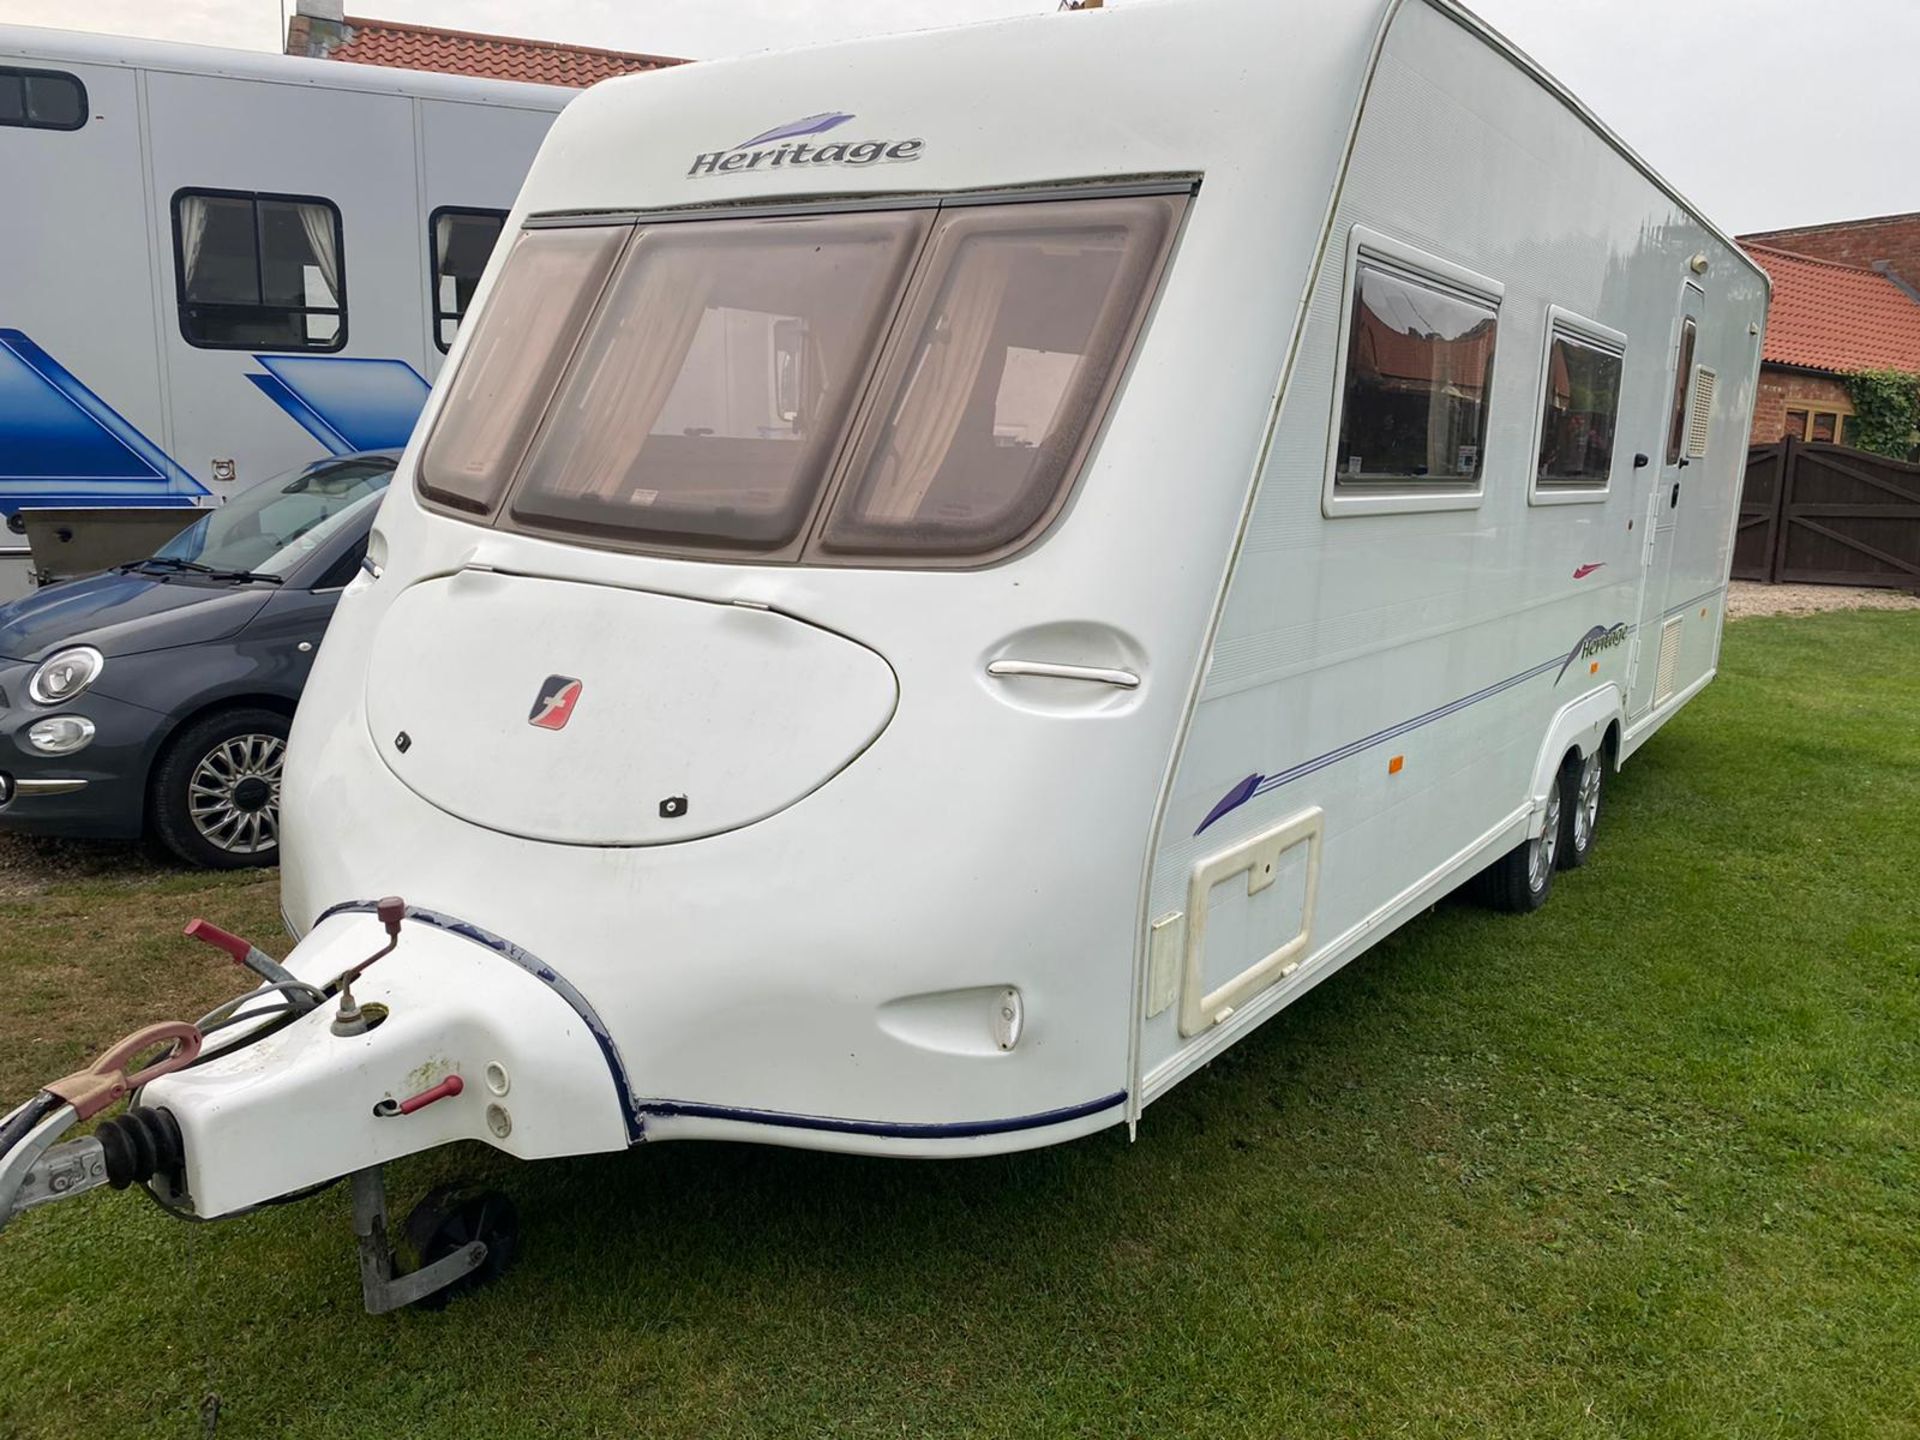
{"x": 1669, "y": 660}
{"x": 1700, "y": 424}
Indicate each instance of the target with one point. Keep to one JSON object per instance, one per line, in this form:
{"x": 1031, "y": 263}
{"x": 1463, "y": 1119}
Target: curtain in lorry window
{"x": 193, "y": 233}
{"x": 323, "y": 241}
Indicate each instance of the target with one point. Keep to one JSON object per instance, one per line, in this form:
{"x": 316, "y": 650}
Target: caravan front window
{"x": 713, "y": 387}
{"x": 1024, "y": 321}
{"x": 544, "y": 295}
{"x": 1419, "y": 359}
{"x": 914, "y": 386}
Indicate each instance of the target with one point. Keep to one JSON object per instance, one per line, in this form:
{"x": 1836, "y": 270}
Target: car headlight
{"x": 64, "y": 675}
{"x": 61, "y": 734}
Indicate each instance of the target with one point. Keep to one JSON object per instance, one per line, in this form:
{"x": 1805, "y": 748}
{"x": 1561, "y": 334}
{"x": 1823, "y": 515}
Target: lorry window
{"x": 1023, "y": 319}
{"x": 462, "y": 242}
{"x": 1413, "y": 409}
{"x": 259, "y": 272}
{"x": 1579, "y": 411}
{"x": 545, "y": 292}
{"x": 41, "y": 99}
{"x": 1682, "y": 376}
{"x": 713, "y": 387}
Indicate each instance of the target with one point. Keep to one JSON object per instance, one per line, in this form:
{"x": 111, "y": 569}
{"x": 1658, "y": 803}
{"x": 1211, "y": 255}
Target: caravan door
{"x": 1657, "y": 639}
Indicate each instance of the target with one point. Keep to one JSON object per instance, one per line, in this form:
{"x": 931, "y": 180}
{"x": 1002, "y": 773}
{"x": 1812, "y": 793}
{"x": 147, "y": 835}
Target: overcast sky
{"x": 1766, "y": 113}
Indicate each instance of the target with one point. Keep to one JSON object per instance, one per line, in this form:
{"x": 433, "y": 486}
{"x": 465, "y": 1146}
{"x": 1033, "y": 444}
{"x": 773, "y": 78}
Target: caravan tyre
{"x": 1521, "y": 880}
{"x": 1580, "y": 783}
{"x": 216, "y": 789}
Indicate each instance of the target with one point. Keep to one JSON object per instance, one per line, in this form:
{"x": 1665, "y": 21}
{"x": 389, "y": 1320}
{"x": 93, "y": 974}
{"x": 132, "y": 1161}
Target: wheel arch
{"x": 1581, "y": 725}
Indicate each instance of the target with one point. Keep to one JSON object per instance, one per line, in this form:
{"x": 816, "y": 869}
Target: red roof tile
{"x": 1828, "y": 316}
{"x": 493, "y": 57}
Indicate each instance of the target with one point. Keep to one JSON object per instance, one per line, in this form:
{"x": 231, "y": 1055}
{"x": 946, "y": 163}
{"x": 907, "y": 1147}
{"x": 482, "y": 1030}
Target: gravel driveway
{"x": 1747, "y": 597}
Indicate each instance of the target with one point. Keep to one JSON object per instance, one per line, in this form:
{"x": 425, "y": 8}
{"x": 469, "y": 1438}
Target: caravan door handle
{"x": 1098, "y": 675}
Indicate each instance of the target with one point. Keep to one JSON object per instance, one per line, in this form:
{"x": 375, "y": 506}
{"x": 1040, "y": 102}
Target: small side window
{"x": 1579, "y": 409}
{"x": 1682, "y": 377}
{"x": 41, "y": 99}
{"x": 259, "y": 272}
{"x": 462, "y": 242}
{"x": 1411, "y": 428}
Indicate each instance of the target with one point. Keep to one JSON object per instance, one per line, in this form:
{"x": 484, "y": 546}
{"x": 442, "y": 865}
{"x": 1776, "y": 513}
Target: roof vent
{"x": 1702, "y": 419}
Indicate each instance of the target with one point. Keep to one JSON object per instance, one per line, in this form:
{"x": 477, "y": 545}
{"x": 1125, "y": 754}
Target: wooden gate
{"x": 1827, "y": 514}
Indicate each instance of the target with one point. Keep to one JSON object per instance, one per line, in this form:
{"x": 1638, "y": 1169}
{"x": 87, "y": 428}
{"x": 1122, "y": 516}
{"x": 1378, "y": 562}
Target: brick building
{"x": 1846, "y": 297}
{"x": 321, "y": 29}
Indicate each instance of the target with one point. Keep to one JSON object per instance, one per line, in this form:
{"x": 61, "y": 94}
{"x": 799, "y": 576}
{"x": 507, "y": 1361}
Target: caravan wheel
{"x": 1581, "y": 781}
{"x": 1521, "y": 880}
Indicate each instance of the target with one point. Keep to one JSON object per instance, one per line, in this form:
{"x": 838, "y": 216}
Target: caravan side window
{"x": 462, "y": 242}
{"x": 1411, "y": 404}
{"x": 41, "y": 99}
{"x": 259, "y": 272}
{"x": 1579, "y": 408}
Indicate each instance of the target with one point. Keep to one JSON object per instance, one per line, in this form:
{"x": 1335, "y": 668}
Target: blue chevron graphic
{"x": 345, "y": 404}
{"x": 61, "y": 444}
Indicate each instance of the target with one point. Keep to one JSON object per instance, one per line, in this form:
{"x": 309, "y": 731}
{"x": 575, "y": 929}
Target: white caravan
{"x": 216, "y": 266}
{"x": 911, "y": 627}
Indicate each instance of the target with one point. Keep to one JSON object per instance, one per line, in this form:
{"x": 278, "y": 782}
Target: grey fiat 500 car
{"x": 155, "y": 698}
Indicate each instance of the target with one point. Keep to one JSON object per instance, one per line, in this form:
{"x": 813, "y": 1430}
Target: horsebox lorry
{"x": 216, "y": 266}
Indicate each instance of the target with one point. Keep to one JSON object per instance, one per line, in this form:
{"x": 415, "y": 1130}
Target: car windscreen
{"x": 263, "y": 529}
{"x": 907, "y": 386}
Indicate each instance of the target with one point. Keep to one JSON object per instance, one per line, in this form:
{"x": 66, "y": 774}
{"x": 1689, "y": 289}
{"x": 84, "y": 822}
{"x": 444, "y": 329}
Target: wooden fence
{"x": 1828, "y": 515}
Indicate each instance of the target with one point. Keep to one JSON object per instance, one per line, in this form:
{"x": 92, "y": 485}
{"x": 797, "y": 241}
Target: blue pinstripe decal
{"x": 636, "y": 1110}
{"x": 1258, "y": 784}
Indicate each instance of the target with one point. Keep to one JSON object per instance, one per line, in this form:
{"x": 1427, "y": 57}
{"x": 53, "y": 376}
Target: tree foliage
{"x": 1886, "y": 412}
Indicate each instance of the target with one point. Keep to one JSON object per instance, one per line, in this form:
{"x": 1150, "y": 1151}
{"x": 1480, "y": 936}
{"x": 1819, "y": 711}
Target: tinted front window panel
{"x": 986, "y": 406}
{"x": 42, "y": 100}
{"x": 545, "y": 292}
{"x": 463, "y": 242}
{"x": 713, "y": 386}
{"x": 1419, "y": 360}
{"x": 259, "y": 272}
{"x": 1582, "y": 405}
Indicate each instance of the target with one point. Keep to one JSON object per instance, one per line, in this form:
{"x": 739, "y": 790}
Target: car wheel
{"x": 1521, "y": 880}
{"x": 1581, "y": 780}
{"x": 216, "y": 790}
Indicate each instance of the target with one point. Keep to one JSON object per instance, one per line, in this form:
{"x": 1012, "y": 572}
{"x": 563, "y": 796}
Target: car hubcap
{"x": 1586, "y": 809}
{"x": 234, "y": 795}
{"x": 1541, "y": 852}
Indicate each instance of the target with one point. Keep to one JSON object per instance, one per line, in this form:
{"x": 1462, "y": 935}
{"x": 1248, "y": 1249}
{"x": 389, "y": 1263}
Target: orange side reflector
{"x": 1393, "y": 765}
{"x": 1594, "y": 668}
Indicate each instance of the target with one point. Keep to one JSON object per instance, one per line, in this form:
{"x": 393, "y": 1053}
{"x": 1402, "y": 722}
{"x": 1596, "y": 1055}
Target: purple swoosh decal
{"x": 1233, "y": 799}
{"x": 794, "y": 129}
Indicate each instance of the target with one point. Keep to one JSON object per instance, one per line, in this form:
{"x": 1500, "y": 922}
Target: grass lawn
{"x": 1642, "y": 1164}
